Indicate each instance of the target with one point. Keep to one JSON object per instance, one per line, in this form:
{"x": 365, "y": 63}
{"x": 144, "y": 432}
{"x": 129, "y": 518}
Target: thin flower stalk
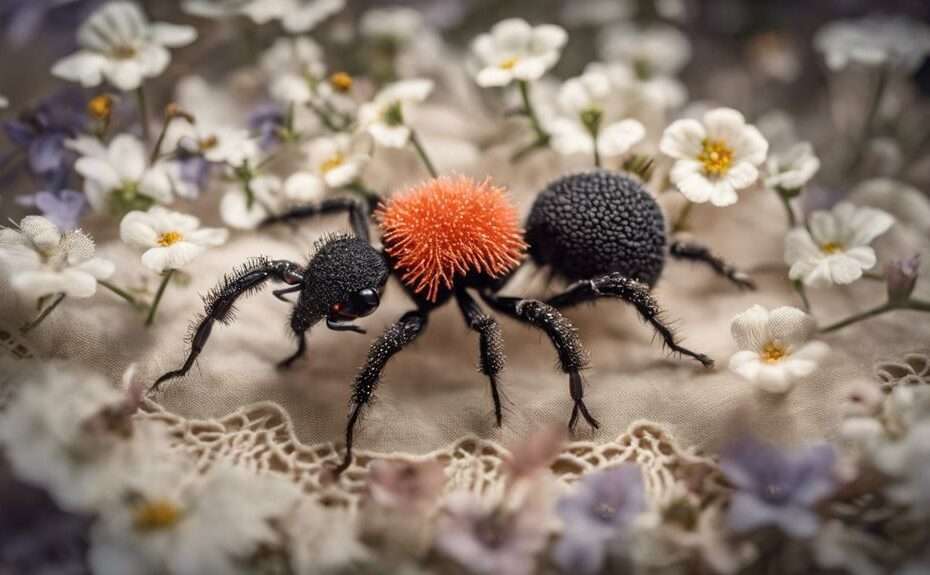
{"x": 42, "y": 315}
{"x": 166, "y": 277}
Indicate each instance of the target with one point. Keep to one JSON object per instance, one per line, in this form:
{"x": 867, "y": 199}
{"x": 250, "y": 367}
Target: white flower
{"x": 175, "y": 521}
{"x": 119, "y": 45}
{"x": 295, "y": 15}
{"x": 297, "y": 66}
{"x": 3, "y": 102}
{"x": 171, "y": 240}
{"x": 585, "y": 102}
{"x": 117, "y": 178}
{"x": 793, "y": 169}
{"x": 874, "y": 40}
{"x": 398, "y": 24}
{"x": 656, "y": 92}
{"x": 514, "y": 50}
{"x": 244, "y": 206}
{"x": 334, "y": 163}
{"x": 715, "y": 158}
{"x": 659, "y": 50}
{"x": 65, "y": 430}
{"x": 837, "y": 248}
{"x": 215, "y": 8}
{"x": 322, "y": 539}
{"x": 42, "y": 261}
{"x": 384, "y": 117}
{"x": 775, "y": 350}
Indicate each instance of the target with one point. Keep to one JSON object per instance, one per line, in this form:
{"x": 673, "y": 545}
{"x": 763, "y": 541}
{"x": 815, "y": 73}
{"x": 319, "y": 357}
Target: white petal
{"x": 742, "y": 175}
{"x": 84, "y": 67}
{"x": 78, "y": 284}
{"x": 304, "y": 187}
{"x": 863, "y": 255}
{"x": 747, "y": 364}
{"x": 172, "y": 35}
{"x": 617, "y": 138}
{"x": 750, "y": 329}
{"x": 41, "y": 232}
{"x": 790, "y": 326}
{"x": 390, "y": 136}
{"x": 844, "y": 269}
{"x": 799, "y": 246}
{"x": 237, "y": 214}
{"x": 210, "y": 237}
{"x": 127, "y": 155}
{"x": 530, "y": 69}
{"x": 99, "y": 268}
{"x": 548, "y": 37}
{"x": 725, "y": 124}
{"x": 512, "y": 34}
{"x": 723, "y": 193}
{"x": 126, "y": 75}
{"x": 824, "y": 228}
{"x": 683, "y": 139}
{"x": 99, "y": 170}
{"x": 751, "y": 146}
{"x": 694, "y": 186}
{"x": 156, "y": 184}
{"x": 136, "y": 231}
{"x": 774, "y": 378}
{"x": 867, "y": 224}
{"x": 494, "y": 77}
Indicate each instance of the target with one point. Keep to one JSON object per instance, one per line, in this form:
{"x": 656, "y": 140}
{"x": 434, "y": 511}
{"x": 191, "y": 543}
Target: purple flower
{"x": 775, "y": 488}
{"x": 598, "y": 512}
{"x": 901, "y": 277}
{"x": 268, "y": 121}
{"x": 41, "y": 133}
{"x": 194, "y": 172}
{"x": 21, "y": 20}
{"x": 64, "y": 207}
{"x": 499, "y": 541}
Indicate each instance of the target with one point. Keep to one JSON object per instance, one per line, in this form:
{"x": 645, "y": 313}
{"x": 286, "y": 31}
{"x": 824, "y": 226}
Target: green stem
{"x": 682, "y": 221}
{"x": 789, "y": 211}
{"x": 881, "y": 83}
{"x": 418, "y": 146}
{"x": 42, "y": 315}
{"x": 143, "y": 114}
{"x": 156, "y": 151}
{"x": 161, "y": 291}
{"x": 885, "y": 307}
{"x": 597, "y": 154}
{"x": 802, "y": 293}
{"x": 120, "y": 292}
{"x": 541, "y": 135}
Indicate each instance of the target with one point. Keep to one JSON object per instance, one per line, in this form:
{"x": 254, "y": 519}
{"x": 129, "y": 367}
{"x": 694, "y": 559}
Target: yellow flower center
{"x": 773, "y": 353}
{"x": 123, "y": 52}
{"x": 155, "y": 515}
{"x": 208, "y": 143}
{"x": 716, "y": 157}
{"x": 332, "y": 162}
{"x": 100, "y": 107}
{"x": 831, "y": 247}
{"x": 508, "y": 64}
{"x": 169, "y": 238}
{"x": 341, "y": 81}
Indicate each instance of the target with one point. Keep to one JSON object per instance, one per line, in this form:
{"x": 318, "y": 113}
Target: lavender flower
{"x": 901, "y": 277}
{"x": 598, "y": 512}
{"x": 405, "y": 485}
{"x": 268, "y": 122}
{"x": 499, "y": 541}
{"x": 41, "y": 133}
{"x": 777, "y": 488}
{"x": 21, "y": 20}
{"x": 63, "y": 208}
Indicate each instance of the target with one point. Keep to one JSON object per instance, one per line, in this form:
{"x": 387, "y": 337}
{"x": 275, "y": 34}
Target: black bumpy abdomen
{"x": 594, "y": 223}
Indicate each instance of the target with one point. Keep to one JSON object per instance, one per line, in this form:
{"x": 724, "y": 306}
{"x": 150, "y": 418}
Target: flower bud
{"x": 901, "y": 276}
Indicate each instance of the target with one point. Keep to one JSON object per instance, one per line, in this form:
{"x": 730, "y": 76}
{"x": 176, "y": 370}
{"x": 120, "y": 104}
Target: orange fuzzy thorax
{"x": 450, "y": 226}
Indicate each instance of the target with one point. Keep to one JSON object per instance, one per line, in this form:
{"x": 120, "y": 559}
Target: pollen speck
{"x": 448, "y": 227}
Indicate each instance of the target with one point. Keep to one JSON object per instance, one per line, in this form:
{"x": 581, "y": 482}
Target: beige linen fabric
{"x": 432, "y": 394}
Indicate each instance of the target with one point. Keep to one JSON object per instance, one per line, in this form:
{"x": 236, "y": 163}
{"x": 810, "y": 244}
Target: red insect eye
{"x": 337, "y": 306}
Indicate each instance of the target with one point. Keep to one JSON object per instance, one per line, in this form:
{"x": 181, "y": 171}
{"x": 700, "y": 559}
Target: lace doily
{"x": 912, "y": 368}
{"x": 260, "y": 437}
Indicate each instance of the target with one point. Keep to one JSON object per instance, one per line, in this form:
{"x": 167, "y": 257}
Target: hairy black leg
{"x": 394, "y": 339}
{"x": 491, "y": 345}
{"x": 281, "y": 293}
{"x": 219, "y": 302}
{"x": 695, "y": 252}
{"x": 572, "y": 357}
{"x": 633, "y": 292}
{"x": 358, "y": 214}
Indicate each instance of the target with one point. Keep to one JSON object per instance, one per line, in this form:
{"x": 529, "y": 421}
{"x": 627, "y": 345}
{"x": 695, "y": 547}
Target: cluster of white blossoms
{"x": 516, "y": 51}
{"x": 43, "y": 261}
{"x": 296, "y": 16}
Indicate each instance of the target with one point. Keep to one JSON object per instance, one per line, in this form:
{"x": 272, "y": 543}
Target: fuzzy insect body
{"x": 455, "y": 238}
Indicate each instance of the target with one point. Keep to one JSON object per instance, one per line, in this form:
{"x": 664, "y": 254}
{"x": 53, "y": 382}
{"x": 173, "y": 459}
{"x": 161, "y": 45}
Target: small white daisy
{"x": 658, "y": 50}
{"x": 215, "y": 8}
{"x": 170, "y": 240}
{"x": 172, "y": 520}
{"x": 296, "y": 16}
{"x": 775, "y": 347}
{"x": 42, "y": 261}
{"x": 65, "y": 430}
{"x": 119, "y": 45}
{"x": 514, "y": 50}
{"x": 715, "y": 158}
{"x": 385, "y": 116}
{"x": 296, "y": 66}
{"x": 837, "y": 248}
{"x": 117, "y": 178}
{"x": 334, "y": 163}
{"x": 586, "y": 124}
{"x": 793, "y": 169}
{"x": 398, "y": 24}
{"x": 245, "y": 205}
{"x": 874, "y": 40}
